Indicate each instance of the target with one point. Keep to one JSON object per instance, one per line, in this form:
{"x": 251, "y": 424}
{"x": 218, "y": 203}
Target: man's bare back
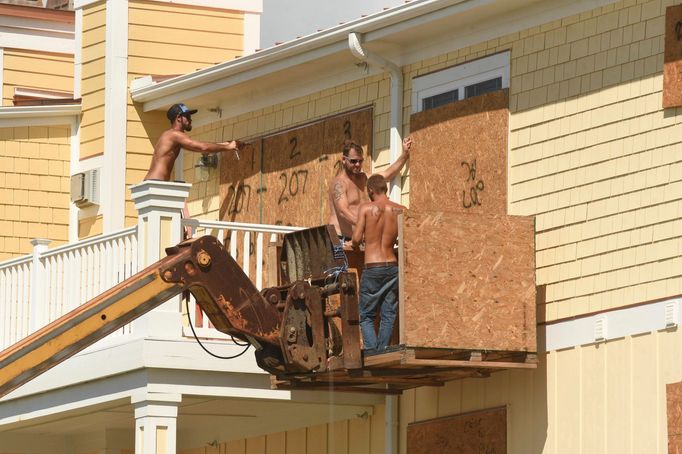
{"x": 170, "y": 142}
{"x": 380, "y": 219}
{"x": 347, "y": 190}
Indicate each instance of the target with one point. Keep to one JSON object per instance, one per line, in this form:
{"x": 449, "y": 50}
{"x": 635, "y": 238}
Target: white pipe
{"x": 391, "y": 425}
{"x": 396, "y": 117}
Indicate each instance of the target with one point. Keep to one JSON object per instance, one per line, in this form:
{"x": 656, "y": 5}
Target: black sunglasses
{"x": 354, "y": 161}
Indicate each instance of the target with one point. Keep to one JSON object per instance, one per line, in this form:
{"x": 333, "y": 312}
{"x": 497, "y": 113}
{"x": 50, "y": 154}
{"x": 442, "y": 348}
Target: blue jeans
{"x": 378, "y": 288}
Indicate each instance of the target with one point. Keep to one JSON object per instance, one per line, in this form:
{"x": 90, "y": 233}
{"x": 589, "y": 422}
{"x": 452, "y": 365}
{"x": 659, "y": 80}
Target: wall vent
{"x": 600, "y": 331}
{"x": 85, "y": 188}
{"x": 671, "y": 314}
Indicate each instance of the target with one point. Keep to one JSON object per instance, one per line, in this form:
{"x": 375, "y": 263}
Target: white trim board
{"x": 613, "y": 324}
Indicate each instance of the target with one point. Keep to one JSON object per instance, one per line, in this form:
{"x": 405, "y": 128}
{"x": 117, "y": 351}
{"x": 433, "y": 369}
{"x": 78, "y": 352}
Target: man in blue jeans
{"x": 378, "y": 225}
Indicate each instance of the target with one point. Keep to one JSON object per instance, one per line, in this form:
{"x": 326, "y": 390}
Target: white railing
{"x": 15, "y": 286}
{"x": 253, "y": 248}
{"x": 37, "y": 289}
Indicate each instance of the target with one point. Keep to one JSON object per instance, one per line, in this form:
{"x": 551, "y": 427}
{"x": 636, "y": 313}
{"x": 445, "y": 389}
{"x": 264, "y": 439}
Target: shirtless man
{"x": 378, "y": 225}
{"x": 168, "y": 146}
{"x": 347, "y": 190}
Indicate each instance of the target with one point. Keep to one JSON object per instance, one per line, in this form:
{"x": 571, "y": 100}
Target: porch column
{"x": 156, "y": 416}
{"x": 159, "y": 205}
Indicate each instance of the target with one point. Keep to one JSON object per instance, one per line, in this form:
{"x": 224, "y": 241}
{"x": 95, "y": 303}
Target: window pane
{"x": 483, "y": 87}
{"x": 441, "y": 99}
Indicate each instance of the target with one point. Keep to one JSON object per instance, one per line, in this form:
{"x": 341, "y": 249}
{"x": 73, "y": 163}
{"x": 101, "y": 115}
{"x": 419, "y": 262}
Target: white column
{"x": 115, "y": 115}
{"x": 156, "y": 426}
{"x": 38, "y": 285}
{"x": 159, "y": 205}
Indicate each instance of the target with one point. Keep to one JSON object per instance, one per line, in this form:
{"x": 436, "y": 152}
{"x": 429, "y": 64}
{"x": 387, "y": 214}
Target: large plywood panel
{"x": 239, "y": 187}
{"x": 287, "y": 174}
{"x": 291, "y": 183}
{"x": 353, "y": 126}
{"x": 467, "y": 281}
{"x": 459, "y": 162}
{"x": 469, "y": 433}
{"x": 672, "y": 57}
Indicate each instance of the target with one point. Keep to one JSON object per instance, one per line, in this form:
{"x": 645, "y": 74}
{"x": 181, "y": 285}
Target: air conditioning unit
{"x": 85, "y": 188}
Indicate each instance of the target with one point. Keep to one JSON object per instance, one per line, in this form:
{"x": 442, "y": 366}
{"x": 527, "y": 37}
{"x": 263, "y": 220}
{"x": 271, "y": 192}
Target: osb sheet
{"x": 672, "y": 57}
{"x": 356, "y": 127}
{"x": 468, "y": 281}
{"x": 239, "y": 185}
{"x": 469, "y": 433}
{"x": 674, "y": 404}
{"x": 468, "y": 141}
{"x": 283, "y": 178}
{"x": 291, "y": 176}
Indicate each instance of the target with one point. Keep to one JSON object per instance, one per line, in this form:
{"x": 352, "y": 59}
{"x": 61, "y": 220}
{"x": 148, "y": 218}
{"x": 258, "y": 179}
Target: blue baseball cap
{"x": 179, "y": 109}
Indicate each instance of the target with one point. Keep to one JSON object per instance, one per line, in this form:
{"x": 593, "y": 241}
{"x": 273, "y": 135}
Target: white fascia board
{"x": 308, "y": 48}
{"x": 621, "y": 323}
{"x": 38, "y": 115}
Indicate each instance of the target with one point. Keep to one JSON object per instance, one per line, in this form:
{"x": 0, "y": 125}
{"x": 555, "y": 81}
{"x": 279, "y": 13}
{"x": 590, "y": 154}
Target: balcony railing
{"x": 47, "y": 284}
{"x": 41, "y": 287}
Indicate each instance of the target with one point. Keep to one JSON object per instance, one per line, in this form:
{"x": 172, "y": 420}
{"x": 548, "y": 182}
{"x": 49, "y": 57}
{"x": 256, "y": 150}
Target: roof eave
{"x": 264, "y": 62}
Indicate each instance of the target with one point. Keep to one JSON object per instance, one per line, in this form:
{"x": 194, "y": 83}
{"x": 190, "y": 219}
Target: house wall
{"x": 592, "y": 157}
{"x": 200, "y": 37}
{"x": 361, "y": 435}
{"x": 26, "y": 69}
{"x": 34, "y": 187}
{"x": 204, "y": 200}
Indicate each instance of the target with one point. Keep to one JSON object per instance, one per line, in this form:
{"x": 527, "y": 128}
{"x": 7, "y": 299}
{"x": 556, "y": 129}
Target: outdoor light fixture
{"x": 202, "y": 169}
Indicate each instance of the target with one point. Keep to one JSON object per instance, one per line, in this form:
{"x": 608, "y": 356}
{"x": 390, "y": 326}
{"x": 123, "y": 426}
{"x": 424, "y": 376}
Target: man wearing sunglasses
{"x": 347, "y": 190}
{"x": 168, "y": 146}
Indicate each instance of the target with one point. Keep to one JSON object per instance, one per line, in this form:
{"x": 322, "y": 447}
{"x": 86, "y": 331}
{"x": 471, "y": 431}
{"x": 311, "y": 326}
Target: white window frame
{"x": 459, "y": 77}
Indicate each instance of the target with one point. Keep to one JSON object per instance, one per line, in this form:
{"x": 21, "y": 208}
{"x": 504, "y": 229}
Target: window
{"x": 460, "y": 82}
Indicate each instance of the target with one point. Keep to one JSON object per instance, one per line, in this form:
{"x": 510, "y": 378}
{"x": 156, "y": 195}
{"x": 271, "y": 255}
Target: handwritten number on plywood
{"x": 293, "y": 184}
{"x": 294, "y": 152}
{"x": 475, "y": 186}
{"x": 238, "y": 198}
{"x": 346, "y": 130}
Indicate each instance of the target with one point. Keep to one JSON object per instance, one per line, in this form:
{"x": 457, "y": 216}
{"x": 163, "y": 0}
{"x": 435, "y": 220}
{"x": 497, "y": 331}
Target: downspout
{"x": 396, "y": 117}
{"x": 396, "y": 147}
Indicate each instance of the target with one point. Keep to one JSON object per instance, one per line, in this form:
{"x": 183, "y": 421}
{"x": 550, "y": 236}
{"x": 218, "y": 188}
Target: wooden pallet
{"x": 406, "y": 367}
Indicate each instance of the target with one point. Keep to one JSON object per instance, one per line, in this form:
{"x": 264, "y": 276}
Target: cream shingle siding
{"x": 34, "y": 185}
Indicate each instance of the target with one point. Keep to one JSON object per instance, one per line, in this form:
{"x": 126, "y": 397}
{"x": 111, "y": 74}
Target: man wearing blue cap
{"x": 171, "y": 141}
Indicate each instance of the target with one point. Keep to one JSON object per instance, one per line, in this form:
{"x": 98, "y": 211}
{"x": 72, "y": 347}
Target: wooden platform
{"x": 406, "y": 367}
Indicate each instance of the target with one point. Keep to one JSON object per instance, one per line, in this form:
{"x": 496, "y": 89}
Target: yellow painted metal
{"x": 85, "y": 325}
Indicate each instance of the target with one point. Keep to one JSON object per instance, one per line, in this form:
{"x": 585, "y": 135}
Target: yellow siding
{"x": 92, "y": 80}
{"x": 355, "y": 436}
{"x": 34, "y": 187}
{"x": 27, "y": 69}
{"x": 165, "y": 39}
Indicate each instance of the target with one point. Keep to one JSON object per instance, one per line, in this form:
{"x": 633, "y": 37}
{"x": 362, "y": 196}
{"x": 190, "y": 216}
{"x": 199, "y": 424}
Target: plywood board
{"x": 353, "y": 126}
{"x": 672, "y": 57}
{"x": 239, "y": 189}
{"x": 674, "y": 406}
{"x": 459, "y": 161}
{"x": 467, "y": 281}
{"x": 469, "y": 433}
{"x": 290, "y": 184}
